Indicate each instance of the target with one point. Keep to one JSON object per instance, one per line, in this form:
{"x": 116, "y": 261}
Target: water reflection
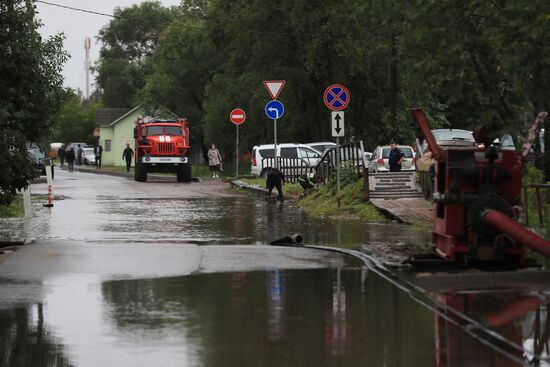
{"x": 240, "y": 220}
{"x": 515, "y": 326}
{"x": 322, "y": 317}
{"x": 319, "y": 317}
{"x": 24, "y": 340}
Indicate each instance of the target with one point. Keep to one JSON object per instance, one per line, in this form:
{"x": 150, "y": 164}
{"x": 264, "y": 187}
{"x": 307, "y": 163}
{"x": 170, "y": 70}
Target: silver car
{"x": 88, "y": 156}
{"x": 379, "y": 161}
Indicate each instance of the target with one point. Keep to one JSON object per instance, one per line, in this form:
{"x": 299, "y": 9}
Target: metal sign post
{"x": 337, "y": 98}
{"x": 275, "y": 143}
{"x": 274, "y": 110}
{"x": 338, "y": 162}
{"x": 237, "y": 116}
{"x": 237, "y": 155}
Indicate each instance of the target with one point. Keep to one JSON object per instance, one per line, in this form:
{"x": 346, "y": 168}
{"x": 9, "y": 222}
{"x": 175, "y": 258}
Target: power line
{"x": 78, "y": 9}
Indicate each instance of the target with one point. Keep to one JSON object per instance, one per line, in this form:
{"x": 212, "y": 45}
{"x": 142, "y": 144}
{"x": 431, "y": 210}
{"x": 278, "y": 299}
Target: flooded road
{"x": 161, "y": 274}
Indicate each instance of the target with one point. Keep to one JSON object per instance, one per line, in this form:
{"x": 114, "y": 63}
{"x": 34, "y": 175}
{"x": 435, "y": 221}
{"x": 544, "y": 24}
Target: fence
{"x": 292, "y": 168}
{"x": 539, "y": 201}
{"x": 351, "y": 155}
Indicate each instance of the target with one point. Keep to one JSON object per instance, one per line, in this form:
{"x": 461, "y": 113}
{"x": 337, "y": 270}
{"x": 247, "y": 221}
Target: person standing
{"x": 61, "y": 154}
{"x": 214, "y": 161}
{"x": 395, "y": 158}
{"x": 127, "y": 155}
{"x": 70, "y": 156}
{"x": 79, "y": 155}
{"x": 98, "y": 151}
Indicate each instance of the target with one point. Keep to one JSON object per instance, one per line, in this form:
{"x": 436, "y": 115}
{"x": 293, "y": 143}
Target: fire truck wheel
{"x": 184, "y": 172}
{"x": 140, "y": 173}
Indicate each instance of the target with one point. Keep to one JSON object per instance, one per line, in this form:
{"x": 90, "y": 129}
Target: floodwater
{"x": 83, "y": 302}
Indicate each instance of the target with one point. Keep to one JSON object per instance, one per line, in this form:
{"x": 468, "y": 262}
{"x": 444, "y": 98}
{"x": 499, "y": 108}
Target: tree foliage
{"x": 76, "y": 120}
{"x": 30, "y": 91}
{"x": 470, "y": 64}
{"x": 127, "y": 43}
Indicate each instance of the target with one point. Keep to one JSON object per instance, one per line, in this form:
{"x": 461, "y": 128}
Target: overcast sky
{"x": 77, "y": 26}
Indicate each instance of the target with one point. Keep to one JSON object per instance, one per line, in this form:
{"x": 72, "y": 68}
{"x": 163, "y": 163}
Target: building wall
{"x": 119, "y": 135}
{"x": 105, "y": 134}
{"x": 124, "y": 133}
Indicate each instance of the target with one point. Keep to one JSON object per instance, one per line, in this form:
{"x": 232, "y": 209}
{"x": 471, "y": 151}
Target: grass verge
{"x": 14, "y": 210}
{"x": 324, "y": 203}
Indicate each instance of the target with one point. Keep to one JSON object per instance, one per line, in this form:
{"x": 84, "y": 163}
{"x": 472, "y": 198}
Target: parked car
{"x": 88, "y": 156}
{"x": 75, "y": 146}
{"x": 299, "y": 152}
{"x": 322, "y": 147}
{"x": 379, "y": 161}
{"x": 37, "y": 157}
{"x": 451, "y": 138}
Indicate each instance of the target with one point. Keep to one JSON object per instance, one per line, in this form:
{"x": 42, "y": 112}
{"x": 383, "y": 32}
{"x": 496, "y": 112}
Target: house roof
{"x": 105, "y": 116}
{"x": 127, "y": 111}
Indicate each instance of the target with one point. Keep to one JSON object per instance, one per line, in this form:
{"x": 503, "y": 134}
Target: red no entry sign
{"x": 237, "y": 116}
{"x": 336, "y": 97}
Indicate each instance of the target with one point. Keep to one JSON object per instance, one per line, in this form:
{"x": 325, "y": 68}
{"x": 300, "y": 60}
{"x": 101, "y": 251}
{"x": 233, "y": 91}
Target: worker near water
{"x": 274, "y": 179}
{"x": 396, "y": 158}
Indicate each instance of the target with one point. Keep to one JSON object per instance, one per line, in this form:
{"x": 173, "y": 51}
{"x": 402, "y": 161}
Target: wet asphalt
{"x": 169, "y": 274}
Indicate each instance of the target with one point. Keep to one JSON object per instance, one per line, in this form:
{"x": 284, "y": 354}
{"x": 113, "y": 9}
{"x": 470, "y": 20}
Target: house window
{"x": 107, "y": 145}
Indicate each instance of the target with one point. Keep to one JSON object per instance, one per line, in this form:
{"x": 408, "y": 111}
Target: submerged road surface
{"x": 122, "y": 273}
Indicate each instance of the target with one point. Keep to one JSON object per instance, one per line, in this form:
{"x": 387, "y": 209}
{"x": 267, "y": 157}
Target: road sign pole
{"x": 275, "y": 143}
{"x": 237, "y": 155}
{"x": 338, "y": 171}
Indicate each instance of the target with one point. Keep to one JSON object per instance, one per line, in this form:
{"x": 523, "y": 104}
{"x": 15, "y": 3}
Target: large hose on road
{"x": 516, "y": 231}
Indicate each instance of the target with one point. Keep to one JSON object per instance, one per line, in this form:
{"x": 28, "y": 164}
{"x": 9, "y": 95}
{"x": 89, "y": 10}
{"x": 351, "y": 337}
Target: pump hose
{"x": 516, "y": 231}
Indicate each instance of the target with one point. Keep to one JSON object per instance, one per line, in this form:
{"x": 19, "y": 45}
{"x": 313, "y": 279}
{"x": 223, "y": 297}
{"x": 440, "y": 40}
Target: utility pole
{"x": 87, "y": 44}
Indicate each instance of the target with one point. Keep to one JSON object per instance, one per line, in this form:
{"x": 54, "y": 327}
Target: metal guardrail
{"x": 351, "y": 155}
{"x": 292, "y": 168}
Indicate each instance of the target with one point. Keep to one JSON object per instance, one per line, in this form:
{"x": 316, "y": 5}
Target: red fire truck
{"x": 162, "y": 146}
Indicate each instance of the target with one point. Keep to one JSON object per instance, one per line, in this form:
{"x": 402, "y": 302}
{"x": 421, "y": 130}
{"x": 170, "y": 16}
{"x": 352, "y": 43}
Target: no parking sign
{"x": 336, "y": 97}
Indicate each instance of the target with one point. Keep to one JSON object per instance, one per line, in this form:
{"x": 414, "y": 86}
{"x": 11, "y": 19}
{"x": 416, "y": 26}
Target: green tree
{"x": 30, "y": 91}
{"x": 128, "y": 42}
{"x": 183, "y": 64}
{"x": 76, "y": 120}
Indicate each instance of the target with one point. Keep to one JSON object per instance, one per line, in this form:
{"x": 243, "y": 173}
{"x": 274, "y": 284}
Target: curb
{"x": 257, "y": 190}
{"x": 126, "y": 174}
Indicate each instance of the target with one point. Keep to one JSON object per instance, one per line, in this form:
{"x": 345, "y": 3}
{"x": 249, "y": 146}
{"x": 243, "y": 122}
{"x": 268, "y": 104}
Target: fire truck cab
{"x": 162, "y": 146}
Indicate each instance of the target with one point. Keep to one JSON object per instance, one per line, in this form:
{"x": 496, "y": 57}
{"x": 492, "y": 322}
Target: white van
{"x": 301, "y": 154}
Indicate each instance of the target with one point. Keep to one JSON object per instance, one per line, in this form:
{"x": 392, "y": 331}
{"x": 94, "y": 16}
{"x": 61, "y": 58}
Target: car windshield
{"x": 322, "y": 147}
{"x": 406, "y": 151}
{"x": 453, "y": 135}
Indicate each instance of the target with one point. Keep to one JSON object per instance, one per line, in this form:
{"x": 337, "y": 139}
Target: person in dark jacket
{"x": 70, "y": 156}
{"x": 98, "y": 151}
{"x": 79, "y": 155}
{"x": 274, "y": 179}
{"x": 127, "y": 155}
{"x": 61, "y": 154}
{"x": 395, "y": 158}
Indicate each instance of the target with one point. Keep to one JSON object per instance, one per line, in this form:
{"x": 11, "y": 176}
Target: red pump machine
{"x": 477, "y": 194}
